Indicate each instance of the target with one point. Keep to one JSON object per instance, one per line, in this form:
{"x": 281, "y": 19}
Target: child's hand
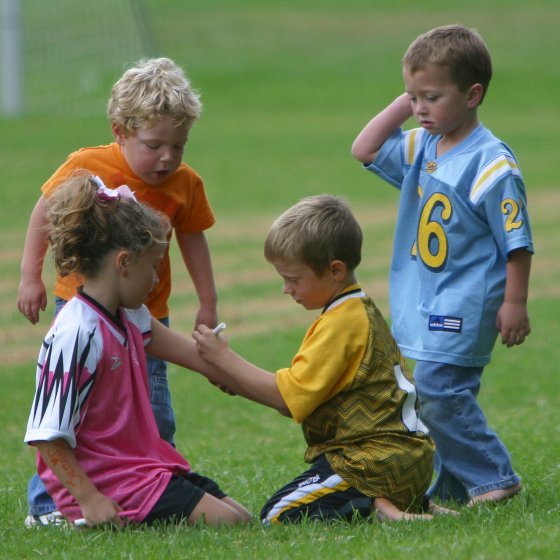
{"x": 207, "y": 315}
{"x": 101, "y": 510}
{"x": 513, "y": 323}
{"x": 32, "y": 299}
{"x": 210, "y": 346}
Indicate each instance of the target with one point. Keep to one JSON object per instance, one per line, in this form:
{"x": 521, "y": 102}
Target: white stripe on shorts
{"x": 306, "y": 494}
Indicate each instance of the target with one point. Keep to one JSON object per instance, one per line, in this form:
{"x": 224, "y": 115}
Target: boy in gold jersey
{"x": 348, "y": 385}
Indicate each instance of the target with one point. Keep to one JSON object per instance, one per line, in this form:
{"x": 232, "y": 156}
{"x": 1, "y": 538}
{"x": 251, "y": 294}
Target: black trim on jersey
{"x": 340, "y": 296}
{"x": 114, "y": 319}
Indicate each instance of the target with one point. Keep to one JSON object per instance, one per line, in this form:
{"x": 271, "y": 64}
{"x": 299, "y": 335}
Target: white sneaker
{"x": 53, "y": 519}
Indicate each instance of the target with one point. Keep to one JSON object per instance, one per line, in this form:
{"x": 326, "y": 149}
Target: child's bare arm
{"x": 32, "y": 295}
{"x": 513, "y": 319}
{"x": 371, "y": 138}
{"x": 209, "y": 354}
{"x": 237, "y": 374}
{"x": 96, "y": 507}
{"x": 196, "y": 255}
{"x": 177, "y": 348}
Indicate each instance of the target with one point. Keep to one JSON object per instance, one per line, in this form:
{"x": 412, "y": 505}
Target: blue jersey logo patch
{"x": 448, "y": 324}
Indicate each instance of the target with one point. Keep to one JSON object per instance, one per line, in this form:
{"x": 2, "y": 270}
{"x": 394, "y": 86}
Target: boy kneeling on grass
{"x": 348, "y": 385}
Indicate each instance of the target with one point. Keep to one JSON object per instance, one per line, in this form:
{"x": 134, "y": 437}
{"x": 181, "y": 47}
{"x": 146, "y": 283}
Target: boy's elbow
{"x": 284, "y": 410}
{"x": 356, "y": 151}
{"x": 361, "y": 154}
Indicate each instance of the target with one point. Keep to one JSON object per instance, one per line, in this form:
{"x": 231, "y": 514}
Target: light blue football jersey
{"x": 459, "y": 217}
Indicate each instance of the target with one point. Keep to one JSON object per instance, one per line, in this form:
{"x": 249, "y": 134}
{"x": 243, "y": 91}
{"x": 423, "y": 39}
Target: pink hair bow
{"x": 105, "y": 193}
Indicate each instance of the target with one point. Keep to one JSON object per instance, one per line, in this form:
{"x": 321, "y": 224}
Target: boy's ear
{"x": 475, "y": 95}
{"x": 338, "y": 270}
{"x": 118, "y": 133}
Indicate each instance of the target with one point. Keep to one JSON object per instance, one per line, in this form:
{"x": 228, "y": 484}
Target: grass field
{"x": 286, "y": 86}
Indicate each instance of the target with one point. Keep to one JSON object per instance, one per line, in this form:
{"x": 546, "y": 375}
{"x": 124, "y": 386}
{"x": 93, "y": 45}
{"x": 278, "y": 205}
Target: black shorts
{"x": 318, "y": 494}
{"x": 181, "y": 496}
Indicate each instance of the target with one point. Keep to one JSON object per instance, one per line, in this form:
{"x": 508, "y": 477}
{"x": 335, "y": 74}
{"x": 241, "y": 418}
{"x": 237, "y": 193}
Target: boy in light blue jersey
{"x": 462, "y": 251}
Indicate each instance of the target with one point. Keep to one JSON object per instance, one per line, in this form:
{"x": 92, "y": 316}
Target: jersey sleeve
{"x": 72, "y": 163}
{"x": 397, "y": 156}
{"x": 327, "y": 361}
{"x": 195, "y": 215}
{"x": 65, "y": 377}
{"x": 498, "y": 192}
{"x": 142, "y": 318}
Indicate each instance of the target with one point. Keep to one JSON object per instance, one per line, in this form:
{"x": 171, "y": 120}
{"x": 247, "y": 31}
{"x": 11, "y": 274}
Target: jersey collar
{"x": 353, "y": 291}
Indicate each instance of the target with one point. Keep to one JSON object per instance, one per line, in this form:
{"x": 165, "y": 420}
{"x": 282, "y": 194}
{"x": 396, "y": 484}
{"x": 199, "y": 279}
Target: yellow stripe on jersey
{"x": 490, "y": 174}
{"x": 411, "y": 141}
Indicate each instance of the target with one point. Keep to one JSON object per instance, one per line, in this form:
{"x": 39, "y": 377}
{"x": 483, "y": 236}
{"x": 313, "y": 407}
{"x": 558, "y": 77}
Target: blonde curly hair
{"x": 153, "y": 89}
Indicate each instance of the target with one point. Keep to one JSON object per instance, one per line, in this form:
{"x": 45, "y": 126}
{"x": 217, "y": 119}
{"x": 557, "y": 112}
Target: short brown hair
{"x": 460, "y": 49}
{"x": 315, "y": 231}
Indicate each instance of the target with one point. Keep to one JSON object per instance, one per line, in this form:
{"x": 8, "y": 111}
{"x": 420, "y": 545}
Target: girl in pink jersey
{"x": 99, "y": 451}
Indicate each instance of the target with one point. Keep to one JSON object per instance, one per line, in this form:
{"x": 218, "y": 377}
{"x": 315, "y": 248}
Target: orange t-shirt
{"x": 181, "y": 197}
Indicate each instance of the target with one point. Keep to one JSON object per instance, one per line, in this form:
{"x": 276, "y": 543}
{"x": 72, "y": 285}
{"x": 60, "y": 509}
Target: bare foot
{"x": 496, "y": 495}
{"x": 436, "y": 509}
{"x": 387, "y": 511}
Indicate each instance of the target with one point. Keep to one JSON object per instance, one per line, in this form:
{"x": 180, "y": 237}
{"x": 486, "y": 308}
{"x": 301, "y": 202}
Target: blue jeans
{"x": 160, "y": 397}
{"x": 39, "y": 500}
{"x": 470, "y": 458}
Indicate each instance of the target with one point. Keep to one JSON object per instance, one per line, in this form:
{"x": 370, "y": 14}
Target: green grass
{"x": 286, "y": 86}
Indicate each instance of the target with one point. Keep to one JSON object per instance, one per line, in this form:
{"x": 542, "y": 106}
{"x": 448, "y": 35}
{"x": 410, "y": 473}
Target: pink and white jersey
{"x": 92, "y": 391}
